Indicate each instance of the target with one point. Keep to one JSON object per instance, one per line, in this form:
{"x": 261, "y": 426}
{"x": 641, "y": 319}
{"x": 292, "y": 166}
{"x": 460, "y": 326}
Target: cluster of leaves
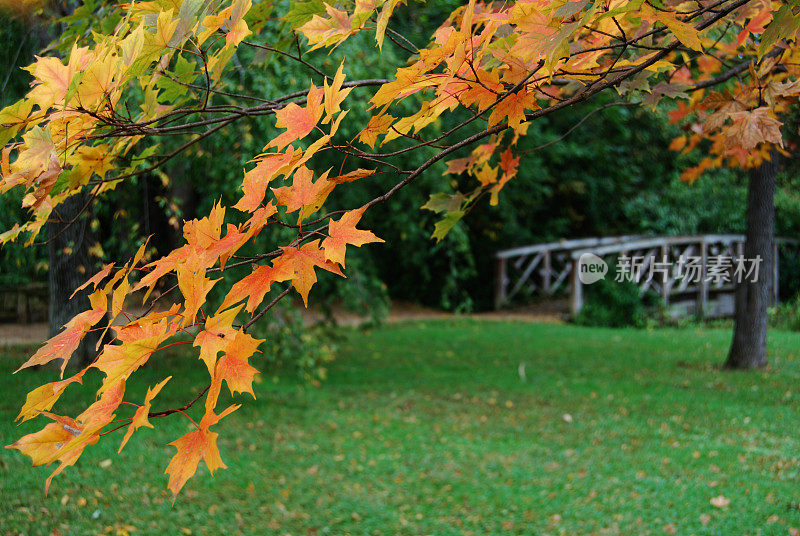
{"x": 155, "y": 69}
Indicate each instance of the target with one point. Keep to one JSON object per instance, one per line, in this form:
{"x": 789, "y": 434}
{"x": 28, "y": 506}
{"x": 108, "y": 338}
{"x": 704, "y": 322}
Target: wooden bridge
{"x": 552, "y": 269}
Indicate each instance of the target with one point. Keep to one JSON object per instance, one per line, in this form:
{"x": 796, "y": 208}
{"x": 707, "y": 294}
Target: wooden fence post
{"x": 546, "y": 273}
{"x": 702, "y": 305}
{"x": 665, "y": 278}
{"x": 500, "y": 283}
{"x": 576, "y": 290}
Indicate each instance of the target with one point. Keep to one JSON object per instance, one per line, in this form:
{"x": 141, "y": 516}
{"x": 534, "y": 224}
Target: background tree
{"x": 146, "y": 72}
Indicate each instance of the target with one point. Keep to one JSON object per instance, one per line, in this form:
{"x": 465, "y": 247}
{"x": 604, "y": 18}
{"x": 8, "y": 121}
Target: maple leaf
{"x": 352, "y": 176}
{"x": 304, "y": 195}
{"x": 140, "y": 417}
{"x": 139, "y": 342}
{"x": 508, "y": 163}
{"x": 95, "y": 279}
{"x": 81, "y": 432}
{"x": 97, "y": 80}
{"x": 161, "y": 267}
{"x": 484, "y": 92}
{"x": 327, "y": 31}
{"x": 217, "y": 332}
{"x": 101, "y": 411}
{"x": 297, "y": 265}
{"x": 92, "y": 160}
{"x": 686, "y": 33}
{"x": 749, "y": 128}
{"x": 204, "y": 232}
{"x": 383, "y": 20}
{"x": 343, "y": 232}
{"x": 334, "y": 94}
{"x": 377, "y": 126}
{"x": 44, "y": 444}
{"x": 200, "y": 444}
{"x": 194, "y": 286}
{"x": 513, "y": 107}
{"x": 38, "y": 149}
{"x": 63, "y": 345}
{"x": 441, "y": 202}
{"x": 12, "y": 118}
{"x": 44, "y": 397}
{"x": 253, "y": 286}
{"x": 195, "y": 446}
{"x": 298, "y": 121}
{"x": 443, "y": 226}
{"x": 486, "y": 175}
{"x": 256, "y": 180}
{"x": 51, "y": 81}
{"x": 233, "y": 367}
{"x": 459, "y": 165}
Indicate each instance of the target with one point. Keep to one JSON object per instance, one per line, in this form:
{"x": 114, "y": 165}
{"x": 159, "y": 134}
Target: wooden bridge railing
{"x": 553, "y": 268}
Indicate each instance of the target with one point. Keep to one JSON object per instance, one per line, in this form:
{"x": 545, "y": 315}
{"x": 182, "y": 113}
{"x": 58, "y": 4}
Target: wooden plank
{"x": 563, "y": 245}
{"x": 500, "y": 284}
{"x": 526, "y": 274}
{"x": 547, "y": 273}
{"x": 576, "y": 290}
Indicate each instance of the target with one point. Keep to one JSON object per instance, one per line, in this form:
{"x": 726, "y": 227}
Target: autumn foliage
{"x": 94, "y": 118}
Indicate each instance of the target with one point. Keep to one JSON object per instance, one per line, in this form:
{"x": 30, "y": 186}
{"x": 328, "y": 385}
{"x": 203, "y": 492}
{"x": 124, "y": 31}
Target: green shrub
{"x": 786, "y": 315}
{"x": 615, "y": 304}
{"x": 292, "y": 346}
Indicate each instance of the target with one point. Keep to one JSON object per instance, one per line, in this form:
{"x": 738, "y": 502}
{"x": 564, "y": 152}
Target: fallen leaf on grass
{"x": 720, "y": 501}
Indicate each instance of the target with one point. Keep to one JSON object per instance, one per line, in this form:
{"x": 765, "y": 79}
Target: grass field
{"x": 428, "y": 428}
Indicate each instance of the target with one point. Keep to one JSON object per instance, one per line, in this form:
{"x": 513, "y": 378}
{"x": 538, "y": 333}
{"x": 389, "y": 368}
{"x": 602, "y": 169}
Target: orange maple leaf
{"x": 139, "y": 342}
{"x": 217, "y": 333}
{"x": 194, "y": 286}
{"x": 200, "y": 444}
{"x": 377, "y": 126}
{"x": 140, "y": 417}
{"x": 334, "y": 94}
{"x": 343, "y": 232}
{"x": 233, "y": 367}
{"x": 297, "y": 265}
{"x": 256, "y": 180}
{"x": 44, "y": 397}
{"x": 304, "y": 195}
{"x": 298, "y": 121}
{"x": 65, "y": 343}
{"x": 253, "y": 286}
{"x": 192, "y": 447}
{"x": 513, "y": 107}
{"x": 322, "y": 31}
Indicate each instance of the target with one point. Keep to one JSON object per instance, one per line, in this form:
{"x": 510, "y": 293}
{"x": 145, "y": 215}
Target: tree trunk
{"x": 749, "y": 346}
{"x": 68, "y": 252}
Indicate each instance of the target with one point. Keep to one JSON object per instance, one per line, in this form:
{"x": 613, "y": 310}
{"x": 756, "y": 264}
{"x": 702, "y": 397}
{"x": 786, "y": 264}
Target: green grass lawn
{"x": 427, "y": 428}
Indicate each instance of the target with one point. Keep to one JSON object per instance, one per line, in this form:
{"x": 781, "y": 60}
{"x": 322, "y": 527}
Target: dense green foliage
{"x": 619, "y": 304}
{"x": 427, "y": 428}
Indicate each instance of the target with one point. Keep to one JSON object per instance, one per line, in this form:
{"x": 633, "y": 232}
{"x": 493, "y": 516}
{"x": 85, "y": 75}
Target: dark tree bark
{"x": 68, "y": 252}
{"x": 749, "y": 346}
